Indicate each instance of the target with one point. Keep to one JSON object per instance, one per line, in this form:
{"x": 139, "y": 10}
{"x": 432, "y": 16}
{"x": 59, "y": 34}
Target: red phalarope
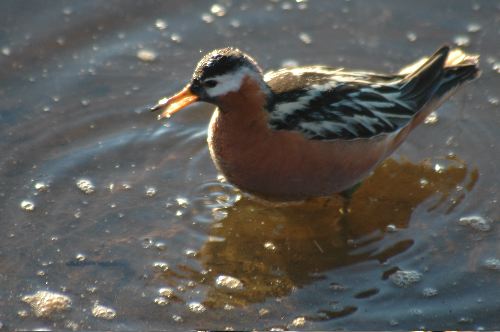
{"x": 303, "y": 132}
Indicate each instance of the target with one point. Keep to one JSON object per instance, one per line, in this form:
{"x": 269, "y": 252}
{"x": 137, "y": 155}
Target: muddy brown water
{"x": 73, "y": 86}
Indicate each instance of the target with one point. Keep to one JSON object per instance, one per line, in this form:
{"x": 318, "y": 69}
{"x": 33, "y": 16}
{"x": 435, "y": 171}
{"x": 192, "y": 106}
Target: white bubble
{"x": 218, "y": 10}
{"x": 411, "y": 36}
{"x": 289, "y": 63}
{"x": 166, "y": 292}
{"x": 161, "y": 266}
{"x": 473, "y": 27}
{"x": 41, "y": 186}
{"x": 228, "y": 282}
{"x": 429, "y": 292}
{"x": 270, "y": 246}
{"x": 86, "y": 186}
{"x": 146, "y": 55}
{"x": 45, "y": 303}
{"x": 263, "y": 312}
{"x": 438, "y": 168}
{"x": 80, "y": 257}
{"x": 493, "y": 101}
{"x": 27, "y": 205}
{"x": 161, "y": 301}
{"x": 391, "y": 228}
{"x": 235, "y": 23}
{"x": 196, "y": 307}
{"x": 496, "y": 67}
{"x": 492, "y": 263}
{"x": 181, "y": 201}
{"x": 305, "y": 38}
{"x": 286, "y": 6}
{"x": 477, "y": 223}
{"x": 405, "y": 278}
{"x": 462, "y": 41}
{"x": 431, "y": 119}
{"x": 100, "y": 311}
{"x": 161, "y": 24}
{"x": 176, "y": 38}
{"x": 6, "y": 51}
{"x": 207, "y": 18}
{"x": 150, "y": 191}
{"x": 299, "y": 322}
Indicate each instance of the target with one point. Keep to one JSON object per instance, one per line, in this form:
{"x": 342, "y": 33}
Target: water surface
{"x": 157, "y": 238}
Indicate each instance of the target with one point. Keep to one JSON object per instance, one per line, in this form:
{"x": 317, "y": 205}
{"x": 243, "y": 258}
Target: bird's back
{"x": 324, "y": 103}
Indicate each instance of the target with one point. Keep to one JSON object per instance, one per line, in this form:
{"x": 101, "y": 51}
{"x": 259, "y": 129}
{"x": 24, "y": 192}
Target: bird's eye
{"x": 210, "y": 83}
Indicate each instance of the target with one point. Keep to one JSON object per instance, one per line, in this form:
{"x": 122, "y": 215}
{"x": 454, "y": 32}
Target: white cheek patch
{"x": 228, "y": 82}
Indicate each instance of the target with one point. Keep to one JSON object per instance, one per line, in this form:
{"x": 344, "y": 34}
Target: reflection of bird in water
{"x": 273, "y": 250}
{"x": 305, "y": 132}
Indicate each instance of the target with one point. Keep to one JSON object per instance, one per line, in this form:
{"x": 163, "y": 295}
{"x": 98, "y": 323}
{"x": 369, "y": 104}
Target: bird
{"x": 304, "y": 132}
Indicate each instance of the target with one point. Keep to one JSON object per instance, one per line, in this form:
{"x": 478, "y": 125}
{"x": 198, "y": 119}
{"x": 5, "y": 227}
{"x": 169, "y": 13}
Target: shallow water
{"x": 126, "y": 216}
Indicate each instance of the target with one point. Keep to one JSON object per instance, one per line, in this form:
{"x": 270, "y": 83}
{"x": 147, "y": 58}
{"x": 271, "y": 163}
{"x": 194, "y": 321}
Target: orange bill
{"x": 169, "y": 106}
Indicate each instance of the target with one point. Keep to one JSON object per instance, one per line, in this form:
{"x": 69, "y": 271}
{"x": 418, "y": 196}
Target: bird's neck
{"x": 247, "y": 108}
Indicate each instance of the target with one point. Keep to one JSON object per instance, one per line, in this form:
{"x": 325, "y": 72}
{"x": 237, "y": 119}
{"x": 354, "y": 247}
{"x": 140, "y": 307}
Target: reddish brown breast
{"x": 284, "y": 165}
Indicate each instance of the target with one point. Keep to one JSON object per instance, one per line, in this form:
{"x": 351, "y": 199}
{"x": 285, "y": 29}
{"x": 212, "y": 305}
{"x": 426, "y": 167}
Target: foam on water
{"x": 46, "y": 303}
{"x": 405, "y": 278}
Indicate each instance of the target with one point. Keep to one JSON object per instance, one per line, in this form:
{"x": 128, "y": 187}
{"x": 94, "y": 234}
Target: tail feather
{"x": 458, "y": 58}
{"x": 438, "y": 75}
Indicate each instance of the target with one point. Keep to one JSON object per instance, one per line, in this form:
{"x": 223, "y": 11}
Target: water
{"x": 154, "y": 239}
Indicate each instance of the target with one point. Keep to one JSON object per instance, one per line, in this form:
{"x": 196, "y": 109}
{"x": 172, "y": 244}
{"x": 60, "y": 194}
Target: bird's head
{"x": 218, "y": 73}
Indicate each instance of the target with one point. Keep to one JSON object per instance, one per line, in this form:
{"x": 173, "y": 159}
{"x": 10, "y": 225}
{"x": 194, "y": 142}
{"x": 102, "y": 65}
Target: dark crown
{"x": 223, "y": 61}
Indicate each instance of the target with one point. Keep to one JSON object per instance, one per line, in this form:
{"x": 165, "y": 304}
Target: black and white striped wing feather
{"x": 324, "y": 104}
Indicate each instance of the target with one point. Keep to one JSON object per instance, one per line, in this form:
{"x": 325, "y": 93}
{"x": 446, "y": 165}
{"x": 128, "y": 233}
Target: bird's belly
{"x": 284, "y": 165}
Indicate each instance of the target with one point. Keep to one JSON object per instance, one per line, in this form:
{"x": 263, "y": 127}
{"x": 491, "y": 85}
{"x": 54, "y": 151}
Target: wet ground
{"x": 124, "y": 221}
